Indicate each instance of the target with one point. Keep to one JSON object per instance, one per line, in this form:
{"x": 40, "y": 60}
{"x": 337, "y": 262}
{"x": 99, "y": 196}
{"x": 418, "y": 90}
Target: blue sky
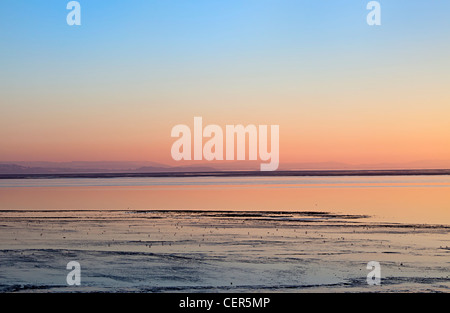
{"x": 170, "y": 60}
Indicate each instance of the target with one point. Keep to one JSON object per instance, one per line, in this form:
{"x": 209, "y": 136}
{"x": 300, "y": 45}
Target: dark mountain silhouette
{"x": 87, "y": 167}
{"x": 20, "y": 169}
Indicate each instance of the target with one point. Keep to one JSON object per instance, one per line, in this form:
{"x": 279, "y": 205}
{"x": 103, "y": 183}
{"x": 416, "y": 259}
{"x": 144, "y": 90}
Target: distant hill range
{"x": 89, "y": 167}
{"x": 78, "y": 167}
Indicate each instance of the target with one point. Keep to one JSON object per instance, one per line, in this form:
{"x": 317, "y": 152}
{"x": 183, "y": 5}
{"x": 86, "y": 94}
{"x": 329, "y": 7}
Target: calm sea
{"x": 411, "y": 199}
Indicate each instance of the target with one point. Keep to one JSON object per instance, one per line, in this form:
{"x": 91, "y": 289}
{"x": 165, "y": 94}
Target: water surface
{"x": 410, "y": 199}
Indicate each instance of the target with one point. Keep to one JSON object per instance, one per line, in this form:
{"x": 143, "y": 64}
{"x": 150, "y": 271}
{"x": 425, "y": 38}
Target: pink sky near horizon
{"x": 339, "y": 90}
{"x": 377, "y": 132}
{"x": 341, "y": 141}
{"x": 346, "y": 132}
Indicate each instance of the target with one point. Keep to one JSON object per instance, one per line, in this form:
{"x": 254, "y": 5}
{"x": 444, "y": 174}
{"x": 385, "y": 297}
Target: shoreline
{"x": 318, "y": 173}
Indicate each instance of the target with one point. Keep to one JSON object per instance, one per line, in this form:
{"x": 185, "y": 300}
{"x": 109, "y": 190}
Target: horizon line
{"x": 237, "y": 173}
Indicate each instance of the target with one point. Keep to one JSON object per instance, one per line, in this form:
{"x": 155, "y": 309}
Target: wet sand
{"x": 212, "y": 251}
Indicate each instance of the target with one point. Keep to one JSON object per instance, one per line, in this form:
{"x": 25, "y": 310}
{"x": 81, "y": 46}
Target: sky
{"x": 112, "y": 88}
